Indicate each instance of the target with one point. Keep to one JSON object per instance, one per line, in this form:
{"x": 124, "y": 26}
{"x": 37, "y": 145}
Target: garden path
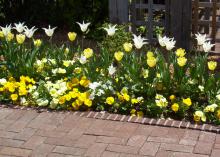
{"x": 64, "y": 134}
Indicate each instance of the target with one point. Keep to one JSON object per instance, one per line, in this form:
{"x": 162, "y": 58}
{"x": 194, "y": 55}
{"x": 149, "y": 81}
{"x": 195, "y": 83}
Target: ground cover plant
{"x": 126, "y": 75}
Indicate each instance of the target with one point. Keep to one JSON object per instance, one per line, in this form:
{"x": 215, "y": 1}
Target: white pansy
{"x": 42, "y": 102}
{"x": 6, "y": 30}
{"x": 201, "y": 39}
{"x": 100, "y": 92}
{"x": 201, "y": 88}
{"x": 218, "y": 96}
{"x": 82, "y": 59}
{"x": 139, "y": 41}
{"x": 23, "y": 101}
{"x": 83, "y": 26}
{"x": 94, "y": 85}
{"x": 19, "y": 27}
{"x": 49, "y": 31}
{"x": 61, "y": 71}
{"x": 111, "y": 70}
{"x": 111, "y": 30}
{"x": 3, "y": 81}
{"x": 29, "y": 32}
{"x": 207, "y": 46}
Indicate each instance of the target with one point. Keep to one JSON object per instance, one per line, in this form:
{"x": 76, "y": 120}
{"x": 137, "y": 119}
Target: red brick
{"x": 96, "y": 149}
{"x": 110, "y": 154}
{"x": 203, "y": 148}
{"x": 215, "y": 153}
{"x": 149, "y": 148}
{"x": 111, "y": 140}
{"x": 33, "y": 142}
{"x": 42, "y": 151}
{"x": 162, "y": 139}
{"x": 85, "y": 141}
{"x": 176, "y": 147}
{"x": 69, "y": 150}
{"x": 122, "y": 149}
{"x": 15, "y": 151}
{"x": 136, "y": 140}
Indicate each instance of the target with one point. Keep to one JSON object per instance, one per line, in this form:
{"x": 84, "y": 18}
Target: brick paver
{"x": 67, "y": 134}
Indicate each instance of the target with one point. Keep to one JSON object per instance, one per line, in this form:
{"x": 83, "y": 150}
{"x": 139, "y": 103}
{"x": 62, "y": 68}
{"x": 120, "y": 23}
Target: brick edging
{"x": 131, "y": 119}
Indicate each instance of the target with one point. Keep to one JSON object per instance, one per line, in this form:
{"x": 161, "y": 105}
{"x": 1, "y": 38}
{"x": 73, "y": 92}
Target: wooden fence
{"x": 180, "y": 18}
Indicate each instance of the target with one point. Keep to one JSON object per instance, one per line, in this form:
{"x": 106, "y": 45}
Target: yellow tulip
{"x": 72, "y": 36}
{"x": 212, "y": 65}
{"x": 88, "y": 53}
{"x": 37, "y": 42}
{"x": 119, "y": 55}
{"x": 127, "y": 47}
{"x": 151, "y": 62}
{"x": 175, "y": 107}
{"x": 180, "y": 52}
{"x": 10, "y": 36}
{"x": 150, "y": 54}
{"x": 20, "y": 38}
{"x": 1, "y": 34}
{"x": 67, "y": 50}
{"x": 181, "y": 61}
{"x": 110, "y": 100}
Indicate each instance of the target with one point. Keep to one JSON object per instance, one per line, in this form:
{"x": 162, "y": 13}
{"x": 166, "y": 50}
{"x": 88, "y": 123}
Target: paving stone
{"x": 207, "y": 137}
{"x": 180, "y": 154}
{"x": 149, "y": 148}
{"x": 10, "y": 142}
{"x": 203, "y": 148}
{"x": 129, "y": 127}
{"x": 188, "y": 142}
{"x": 34, "y": 142}
{"x": 51, "y": 133}
{"x": 122, "y": 149}
{"x": 85, "y": 141}
{"x": 162, "y": 139}
{"x": 130, "y": 155}
{"x": 176, "y": 147}
{"x": 144, "y": 130}
{"x": 96, "y": 150}
{"x": 7, "y": 134}
{"x": 69, "y": 150}
{"x": 110, "y": 154}
{"x": 15, "y": 115}
{"x": 217, "y": 146}
{"x": 215, "y": 153}
{"x": 25, "y": 134}
{"x": 4, "y": 113}
{"x": 158, "y": 132}
{"x": 217, "y": 140}
{"x": 163, "y": 153}
{"x": 15, "y": 151}
{"x": 63, "y": 141}
{"x": 17, "y": 126}
{"x": 43, "y": 150}
{"x": 136, "y": 140}
{"x": 111, "y": 140}
{"x": 191, "y": 134}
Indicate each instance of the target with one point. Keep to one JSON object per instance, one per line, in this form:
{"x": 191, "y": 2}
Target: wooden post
{"x": 118, "y": 11}
{"x": 180, "y": 22}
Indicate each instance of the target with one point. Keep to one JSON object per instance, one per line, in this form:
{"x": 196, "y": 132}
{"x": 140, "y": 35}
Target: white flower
{"x": 29, "y": 32}
{"x": 61, "y": 71}
{"x": 42, "y": 102}
{"x": 49, "y": 32}
{"x": 111, "y": 30}
{"x": 100, "y": 92}
{"x": 218, "y": 96}
{"x": 162, "y": 40}
{"x": 3, "y": 81}
{"x": 19, "y": 27}
{"x": 82, "y": 59}
{"x": 201, "y": 39}
{"x": 207, "y": 46}
{"x": 139, "y": 41}
{"x": 35, "y": 95}
{"x": 201, "y": 88}
{"x": 111, "y": 70}
{"x": 170, "y": 44}
{"x": 23, "y": 101}
{"x": 6, "y": 30}
{"x": 94, "y": 85}
{"x": 83, "y": 26}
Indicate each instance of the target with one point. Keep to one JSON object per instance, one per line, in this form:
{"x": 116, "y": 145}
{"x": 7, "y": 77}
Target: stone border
{"x": 131, "y": 119}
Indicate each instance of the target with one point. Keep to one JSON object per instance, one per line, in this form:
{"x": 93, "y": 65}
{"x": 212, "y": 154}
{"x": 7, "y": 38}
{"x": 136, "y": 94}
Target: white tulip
{"x": 82, "y": 59}
{"x": 201, "y": 39}
{"x": 207, "y": 46}
{"x": 162, "y": 40}
{"x": 6, "y": 30}
{"x": 170, "y": 44}
{"x": 49, "y": 32}
{"x": 111, "y": 70}
{"x": 111, "y": 30}
{"x": 139, "y": 41}
{"x": 83, "y": 26}
{"x": 19, "y": 27}
{"x": 29, "y": 32}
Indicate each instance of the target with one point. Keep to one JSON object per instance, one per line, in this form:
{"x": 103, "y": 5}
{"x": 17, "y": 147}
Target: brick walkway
{"x": 28, "y": 133}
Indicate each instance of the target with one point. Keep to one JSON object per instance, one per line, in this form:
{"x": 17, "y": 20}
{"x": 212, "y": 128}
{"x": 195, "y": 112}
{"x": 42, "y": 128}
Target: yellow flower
{"x": 187, "y": 101}
{"x": 10, "y": 36}
{"x": 119, "y": 55}
{"x": 127, "y": 47}
{"x": 14, "y": 97}
{"x": 1, "y": 34}
{"x": 172, "y": 97}
{"x": 181, "y": 61}
{"x": 199, "y": 115}
{"x": 218, "y": 114}
{"x": 150, "y": 54}
{"x": 180, "y": 52}
{"x": 133, "y": 112}
{"x": 84, "y": 82}
{"x": 88, "y": 53}
{"x": 20, "y": 38}
{"x": 67, "y": 50}
{"x": 110, "y": 100}
{"x": 134, "y": 101}
{"x": 151, "y": 62}
{"x": 22, "y": 91}
{"x": 175, "y": 107}
{"x": 72, "y": 36}
{"x": 78, "y": 70}
{"x": 62, "y": 100}
{"x": 212, "y": 65}
{"x": 88, "y": 102}
{"x": 126, "y": 97}
{"x": 1, "y": 89}
{"x": 68, "y": 97}
{"x": 37, "y": 42}
{"x": 140, "y": 114}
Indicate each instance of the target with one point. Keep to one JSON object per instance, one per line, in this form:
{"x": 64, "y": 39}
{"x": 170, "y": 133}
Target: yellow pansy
{"x": 212, "y": 65}
{"x": 151, "y": 62}
{"x": 66, "y": 63}
{"x": 20, "y": 38}
{"x": 37, "y": 42}
{"x": 187, "y": 101}
{"x": 199, "y": 115}
{"x": 77, "y": 70}
{"x": 181, "y": 61}
{"x": 22, "y": 91}
{"x": 10, "y": 36}
{"x": 88, "y": 102}
{"x": 175, "y": 107}
{"x": 180, "y": 52}
{"x": 118, "y": 55}
{"x": 79, "y": 102}
{"x": 127, "y": 47}
{"x": 62, "y": 100}
{"x": 72, "y": 36}
{"x": 218, "y": 114}
{"x": 1, "y": 89}
{"x": 126, "y": 97}
{"x": 133, "y": 112}
{"x": 68, "y": 97}
{"x": 140, "y": 114}
{"x": 110, "y": 100}
{"x": 134, "y": 101}
{"x": 172, "y": 97}
{"x": 84, "y": 82}
{"x": 14, "y": 97}
{"x": 150, "y": 54}
{"x": 88, "y": 53}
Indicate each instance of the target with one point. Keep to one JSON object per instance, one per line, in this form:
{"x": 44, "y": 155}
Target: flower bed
{"x": 125, "y": 76}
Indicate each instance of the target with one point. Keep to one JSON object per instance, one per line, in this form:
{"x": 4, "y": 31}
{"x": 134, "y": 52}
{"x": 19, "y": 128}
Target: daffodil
{"x": 29, "y": 32}
{"x": 88, "y": 53}
{"x": 110, "y": 100}
{"x": 139, "y": 41}
{"x": 19, "y": 27}
{"x": 72, "y": 36}
{"x": 127, "y": 47}
{"x": 212, "y": 65}
{"x": 181, "y": 61}
{"x": 111, "y": 30}
{"x": 20, "y": 38}
{"x": 49, "y": 31}
{"x": 83, "y": 26}
{"x": 151, "y": 62}
{"x": 118, "y": 55}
